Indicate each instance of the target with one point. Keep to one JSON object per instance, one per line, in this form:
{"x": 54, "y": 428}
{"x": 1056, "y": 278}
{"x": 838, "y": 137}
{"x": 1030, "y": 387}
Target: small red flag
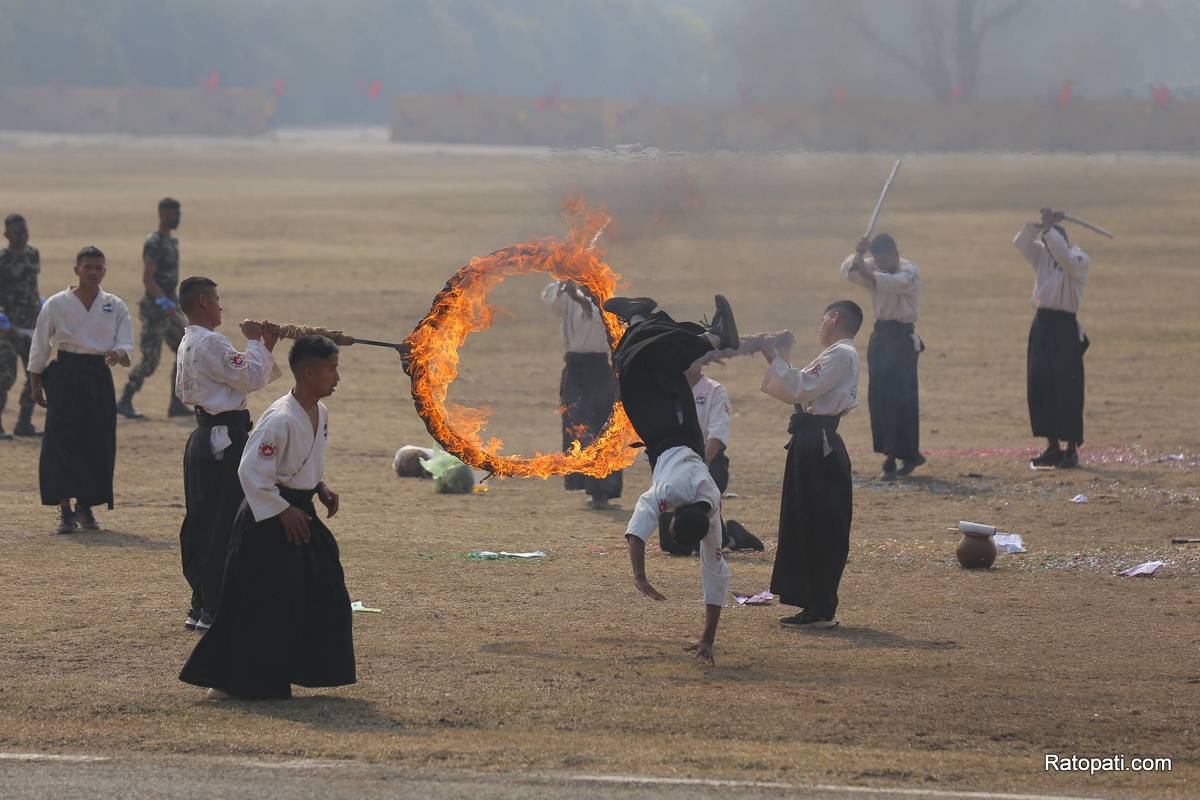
{"x": 279, "y": 87}
{"x": 213, "y": 80}
{"x": 374, "y": 89}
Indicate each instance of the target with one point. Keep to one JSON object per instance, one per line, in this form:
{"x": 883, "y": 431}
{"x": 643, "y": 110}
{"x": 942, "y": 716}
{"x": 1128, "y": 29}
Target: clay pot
{"x": 976, "y": 550}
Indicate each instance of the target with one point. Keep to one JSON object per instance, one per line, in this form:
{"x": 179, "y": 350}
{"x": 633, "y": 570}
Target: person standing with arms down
{"x": 892, "y": 352}
{"x": 588, "y": 388}
{"x": 92, "y": 331}
{"x": 20, "y": 302}
{"x": 214, "y": 378}
{"x": 158, "y": 309}
{"x": 817, "y": 505}
{"x": 284, "y": 616}
{"x": 1054, "y": 360}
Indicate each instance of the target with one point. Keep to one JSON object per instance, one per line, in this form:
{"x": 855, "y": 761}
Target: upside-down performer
{"x": 214, "y": 378}
{"x": 817, "y": 504}
{"x": 651, "y": 360}
{"x": 284, "y": 615}
{"x": 1054, "y": 360}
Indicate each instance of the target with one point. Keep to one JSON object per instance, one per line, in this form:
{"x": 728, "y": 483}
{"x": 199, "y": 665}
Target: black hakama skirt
{"x": 1054, "y": 376}
{"x": 892, "y": 391}
{"x": 79, "y": 445}
{"x": 814, "y": 517}
{"x": 587, "y": 392}
{"x": 212, "y": 494}
{"x": 284, "y": 616}
{"x": 651, "y": 359}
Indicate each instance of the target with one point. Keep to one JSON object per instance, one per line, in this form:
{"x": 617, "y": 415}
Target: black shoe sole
{"x": 724, "y": 316}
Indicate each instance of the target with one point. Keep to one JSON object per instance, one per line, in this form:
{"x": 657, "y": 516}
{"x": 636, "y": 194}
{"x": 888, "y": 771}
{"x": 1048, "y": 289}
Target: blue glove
{"x": 165, "y": 303}
{"x": 5, "y": 324}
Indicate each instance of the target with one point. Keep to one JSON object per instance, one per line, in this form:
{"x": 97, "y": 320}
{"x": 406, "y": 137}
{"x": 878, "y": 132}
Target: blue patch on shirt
{"x": 107, "y": 307}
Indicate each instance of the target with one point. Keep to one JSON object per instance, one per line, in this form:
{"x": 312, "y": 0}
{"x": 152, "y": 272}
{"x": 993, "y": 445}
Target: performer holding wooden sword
{"x": 1054, "y": 365}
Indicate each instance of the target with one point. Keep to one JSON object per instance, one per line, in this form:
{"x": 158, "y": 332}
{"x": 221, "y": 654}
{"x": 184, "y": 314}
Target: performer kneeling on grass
{"x": 284, "y": 614}
{"x": 817, "y": 505}
{"x": 651, "y": 360}
{"x": 214, "y": 378}
{"x": 1054, "y": 366}
{"x": 92, "y": 331}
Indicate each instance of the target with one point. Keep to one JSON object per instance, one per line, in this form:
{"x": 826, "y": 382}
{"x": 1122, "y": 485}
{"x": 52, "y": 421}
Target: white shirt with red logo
{"x": 283, "y": 451}
{"x": 215, "y": 376}
{"x": 828, "y": 386}
{"x": 680, "y": 477}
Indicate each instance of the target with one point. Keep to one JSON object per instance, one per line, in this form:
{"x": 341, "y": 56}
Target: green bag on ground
{"x": 450, "y": 475}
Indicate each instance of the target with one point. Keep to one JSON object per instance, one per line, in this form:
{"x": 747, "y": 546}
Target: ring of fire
{"x": 461, "y": 308}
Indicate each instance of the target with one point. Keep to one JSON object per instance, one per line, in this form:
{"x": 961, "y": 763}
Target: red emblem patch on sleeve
{"x": 662, "y": 506}
{"x": 815, "y": 369}
{"x": 237, "y": 360}
{"x": 266, "y": 450}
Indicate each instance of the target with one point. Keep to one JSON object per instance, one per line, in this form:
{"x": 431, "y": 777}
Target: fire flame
{"x": 461, "y": 308}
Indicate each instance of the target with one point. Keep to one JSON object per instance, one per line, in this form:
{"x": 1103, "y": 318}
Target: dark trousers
{"x": 284, "y": 616}
{"x": 650, "y": 360}
{"x": 1054, "y": 376}
{"x": 815, "y": 514}
{"x": 587, "y": 392}
{"x": 212, "y": 494}
{"x": 892, "y": 391}
{"x": 79, "y": 446}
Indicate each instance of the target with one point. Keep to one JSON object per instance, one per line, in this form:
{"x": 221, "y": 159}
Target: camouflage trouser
{"x": 157, "y": 326}
{"x": 12, "y": 345}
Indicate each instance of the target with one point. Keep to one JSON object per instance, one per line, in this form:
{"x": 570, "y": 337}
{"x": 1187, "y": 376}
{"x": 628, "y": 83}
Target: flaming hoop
{"x": 461, "y": 308}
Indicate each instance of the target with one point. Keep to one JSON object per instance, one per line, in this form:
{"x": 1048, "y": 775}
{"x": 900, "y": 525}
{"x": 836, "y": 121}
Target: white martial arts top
{"x": 581, "y": 333}
{"x": 827, "y": 387}
{"x": 712, "y": 409}
{"x": 1059, "y": 270}
{"x": 216, "y": 377}
{"x": 282, "y": 451}
{"x": 895, "y": 294}
{"x": 64, "y": 323}
{"x": 680, "y": 477}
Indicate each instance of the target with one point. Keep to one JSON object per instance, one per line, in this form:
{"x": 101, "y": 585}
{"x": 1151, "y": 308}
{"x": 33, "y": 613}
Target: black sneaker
{"x": 66, "y": 521}
{"x": 888, "y": 470}
{"x": 205, "y": 622}
{"x": 4, "y": 435}
{"x": 1049, "y": 459}
{"x": 907, "y": 466}
{"x": 26, "y": 429}
{"x": 87, "y": 520}
{"x": 193, "y": 617}
{"x": 178, "y": 409}
{"x": 125, "y": 409}
{"x": 1070, "y": 460}
{"x": 723, "y": 325}
{"x": 808, "y": 621}
{"x": 627, "y": 308}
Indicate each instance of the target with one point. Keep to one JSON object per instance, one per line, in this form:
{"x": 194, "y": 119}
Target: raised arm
{"x": 248, "y": 371}
{"x": 903, "y": 281}
{"x": 715, "y": 574}
{"x": 796, "y": 386}
{"x": 1073, "y": 260}
{"x": 1027, "y": 242}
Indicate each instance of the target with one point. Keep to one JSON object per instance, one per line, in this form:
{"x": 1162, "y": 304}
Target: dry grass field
{"x": 937, "y": 678}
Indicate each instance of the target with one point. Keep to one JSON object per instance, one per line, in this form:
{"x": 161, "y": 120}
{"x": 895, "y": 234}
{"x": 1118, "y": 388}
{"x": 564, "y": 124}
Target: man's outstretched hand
{"x": 704, "y": 651}
{"x": 645, "y": 588}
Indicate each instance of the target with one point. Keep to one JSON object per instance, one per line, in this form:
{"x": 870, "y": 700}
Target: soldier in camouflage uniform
{"x": 19, "y": 305}
{"x": 158, "y": 309}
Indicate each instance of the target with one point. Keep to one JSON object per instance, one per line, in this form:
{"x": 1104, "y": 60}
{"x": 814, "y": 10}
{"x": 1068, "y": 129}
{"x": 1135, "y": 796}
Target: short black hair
{"x": 167, "y": 203}
{"x": 883, "y": 243}
{"x": 691, "y": 524}
{"x": 311, "y": 346}
{"x": 14, "y": 219}
{"x": 191, "y": 289}
{"x": 91, "y": 251}
{"x": 850, "y": 315}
